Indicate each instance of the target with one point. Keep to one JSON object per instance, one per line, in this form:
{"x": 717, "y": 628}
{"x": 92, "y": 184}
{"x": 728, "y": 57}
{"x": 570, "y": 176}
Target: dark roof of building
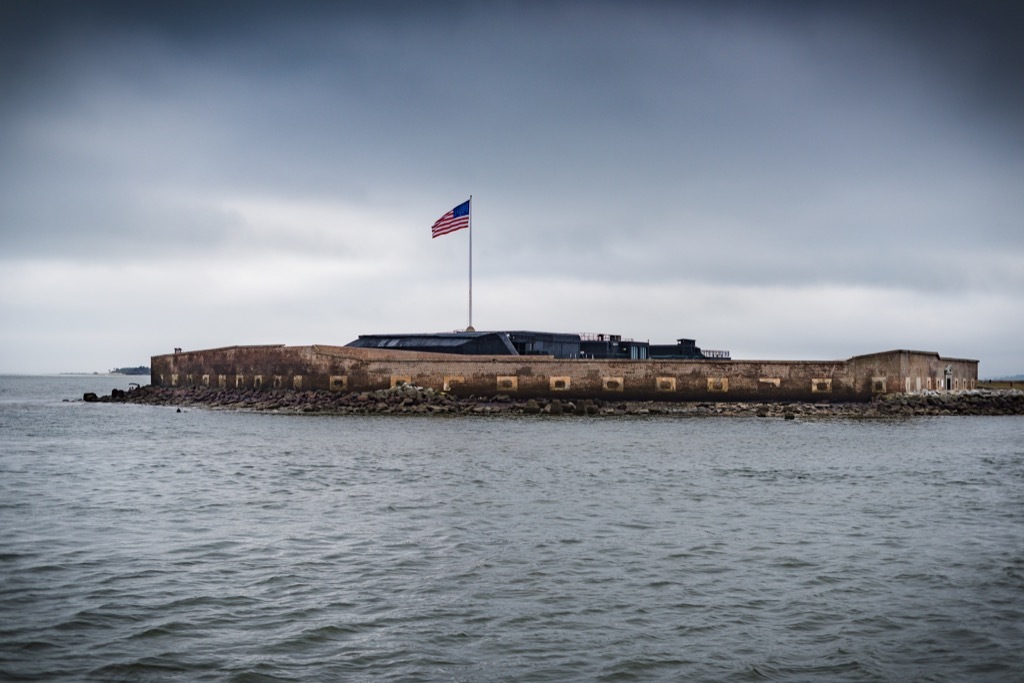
{"x": 530, "y": 342}
{"x": 443, "y": 342}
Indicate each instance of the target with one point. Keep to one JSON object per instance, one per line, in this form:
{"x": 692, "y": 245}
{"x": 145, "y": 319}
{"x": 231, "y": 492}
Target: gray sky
{"x": 785, "y": 180}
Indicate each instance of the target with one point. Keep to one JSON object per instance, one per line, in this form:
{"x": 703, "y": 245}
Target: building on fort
{"x": 528, "y": 343}
{"x": 543, "y": 365}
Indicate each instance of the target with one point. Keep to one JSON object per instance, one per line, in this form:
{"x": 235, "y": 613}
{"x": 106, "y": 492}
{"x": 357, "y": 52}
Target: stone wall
{"x": 914, "y": 371}
{"x": 334, "y": 368}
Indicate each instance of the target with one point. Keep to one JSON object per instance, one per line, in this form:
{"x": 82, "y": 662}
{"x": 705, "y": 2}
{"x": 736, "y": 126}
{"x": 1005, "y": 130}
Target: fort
{"x": 551, "y": 366}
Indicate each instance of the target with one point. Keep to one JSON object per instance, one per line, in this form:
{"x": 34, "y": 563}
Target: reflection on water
{"x": 137, "y": 542}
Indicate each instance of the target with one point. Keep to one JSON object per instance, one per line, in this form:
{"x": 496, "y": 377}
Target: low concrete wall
{"x": 340, "y": 368}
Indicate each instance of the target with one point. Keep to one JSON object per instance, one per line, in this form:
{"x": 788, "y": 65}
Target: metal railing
{"x": 602, "y": 336}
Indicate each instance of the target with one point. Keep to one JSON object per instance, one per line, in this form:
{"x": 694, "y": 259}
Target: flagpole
{"x": 470, "y": 328}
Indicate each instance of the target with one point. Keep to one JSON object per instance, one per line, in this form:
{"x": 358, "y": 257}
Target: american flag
{"x": 456, "y": 219}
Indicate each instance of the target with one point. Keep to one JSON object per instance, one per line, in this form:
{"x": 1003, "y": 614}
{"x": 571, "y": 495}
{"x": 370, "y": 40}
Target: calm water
{"x": 139, "y": 543}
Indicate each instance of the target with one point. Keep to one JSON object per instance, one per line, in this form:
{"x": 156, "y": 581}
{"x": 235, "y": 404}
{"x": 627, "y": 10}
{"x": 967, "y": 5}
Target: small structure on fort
{"x": 529, "y": 343}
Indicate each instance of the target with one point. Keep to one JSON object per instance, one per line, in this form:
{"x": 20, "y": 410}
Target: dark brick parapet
{"x": 346, "y": 369}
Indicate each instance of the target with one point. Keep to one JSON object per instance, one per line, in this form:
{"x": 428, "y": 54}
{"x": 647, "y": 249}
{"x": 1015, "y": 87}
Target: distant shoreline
{"x": 410, "y": 400}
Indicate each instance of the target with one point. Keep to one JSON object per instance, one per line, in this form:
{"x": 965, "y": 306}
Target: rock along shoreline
{"x": 414, "y": 400}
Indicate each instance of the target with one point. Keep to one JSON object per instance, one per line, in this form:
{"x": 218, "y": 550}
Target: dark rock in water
{"x": 417, "y": 400}
{"x": 90, "y": 397}
{"x": 117, "y": 394}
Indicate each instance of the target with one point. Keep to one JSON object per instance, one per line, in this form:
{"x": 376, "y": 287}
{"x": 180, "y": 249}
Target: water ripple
{"x": 233, "y": 547}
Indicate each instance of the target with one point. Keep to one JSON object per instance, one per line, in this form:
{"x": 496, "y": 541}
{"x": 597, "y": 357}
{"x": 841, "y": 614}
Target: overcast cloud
{"x": 783, "y": 179}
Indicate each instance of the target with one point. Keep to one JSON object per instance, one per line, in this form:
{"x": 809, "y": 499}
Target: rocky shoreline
{"x": 413, "y": 400}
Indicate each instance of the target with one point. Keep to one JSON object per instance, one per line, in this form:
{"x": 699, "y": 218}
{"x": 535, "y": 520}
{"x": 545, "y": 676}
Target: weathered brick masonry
{"x": 342, "y": 368}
